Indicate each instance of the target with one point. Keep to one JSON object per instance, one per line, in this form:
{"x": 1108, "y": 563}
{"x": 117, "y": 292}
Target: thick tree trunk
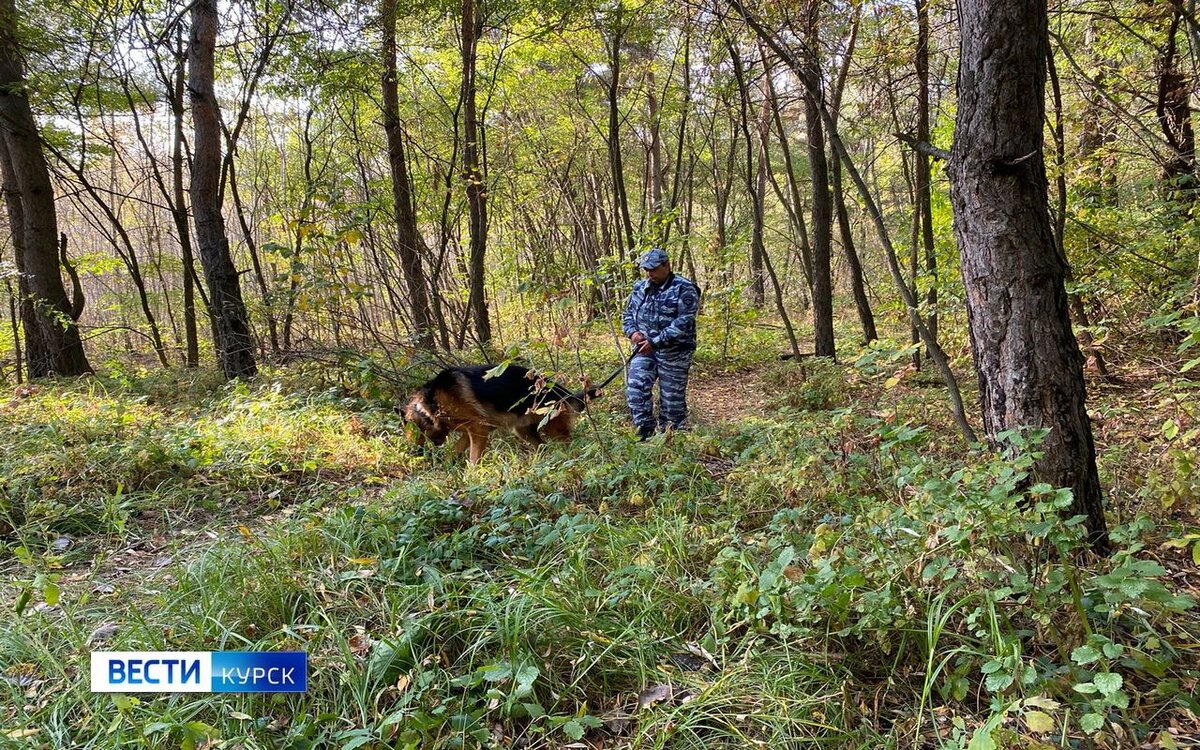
{"x": 409, "y": 243}
{"x": 473, "y": 173}
{"x": 1028, "y": 362}
{"x": 235, "y": 347}
{"x": 52, "y": 342}
{"x": 822, "y": 202}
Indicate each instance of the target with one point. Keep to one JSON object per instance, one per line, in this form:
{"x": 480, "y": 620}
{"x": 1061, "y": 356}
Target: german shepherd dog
{"x": 467, "y": 400}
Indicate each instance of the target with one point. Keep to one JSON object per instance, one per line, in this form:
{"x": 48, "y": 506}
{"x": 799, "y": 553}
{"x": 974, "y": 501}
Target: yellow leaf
{"x": 1039, "y": 722}
{"x": 362, "y": 560}
{"x": 240, "y": 716}
{"x": 246, "y": 532}
{"x": 18, "y": 734}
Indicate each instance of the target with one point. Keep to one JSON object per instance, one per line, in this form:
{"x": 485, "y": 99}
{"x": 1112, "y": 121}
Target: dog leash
{"x": 624, "y": 366}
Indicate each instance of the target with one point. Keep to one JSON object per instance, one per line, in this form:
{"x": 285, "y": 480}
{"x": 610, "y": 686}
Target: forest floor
{"x": 819, "y": 561}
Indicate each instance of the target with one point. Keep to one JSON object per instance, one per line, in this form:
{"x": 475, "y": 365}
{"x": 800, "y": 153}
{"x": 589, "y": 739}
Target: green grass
{"x": 837, "y": 572}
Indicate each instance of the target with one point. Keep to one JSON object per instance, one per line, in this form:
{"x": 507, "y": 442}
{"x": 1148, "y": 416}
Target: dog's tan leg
{"x": 479, "y": 440}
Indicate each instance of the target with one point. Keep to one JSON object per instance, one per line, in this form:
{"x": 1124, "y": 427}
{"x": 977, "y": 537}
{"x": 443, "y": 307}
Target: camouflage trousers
{"x": 671, "y": 372}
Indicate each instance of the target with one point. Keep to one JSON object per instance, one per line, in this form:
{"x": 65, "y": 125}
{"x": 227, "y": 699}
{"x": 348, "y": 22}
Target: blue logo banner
{"x": 199, "y": 671}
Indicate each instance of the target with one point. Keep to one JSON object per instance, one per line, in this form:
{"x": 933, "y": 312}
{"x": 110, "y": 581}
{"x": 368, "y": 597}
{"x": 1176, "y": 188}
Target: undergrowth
{"x": 835, "y": 572}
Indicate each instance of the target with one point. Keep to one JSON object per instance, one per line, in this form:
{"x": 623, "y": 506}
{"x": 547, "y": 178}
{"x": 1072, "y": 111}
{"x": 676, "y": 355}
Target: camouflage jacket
{"x": 665, "y": 314}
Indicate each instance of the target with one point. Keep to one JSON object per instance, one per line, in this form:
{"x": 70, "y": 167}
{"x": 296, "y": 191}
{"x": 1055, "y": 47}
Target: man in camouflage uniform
{"x": 660, "y": 320}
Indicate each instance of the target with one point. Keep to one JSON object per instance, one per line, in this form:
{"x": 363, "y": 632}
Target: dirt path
{"x": 725, "y": 397}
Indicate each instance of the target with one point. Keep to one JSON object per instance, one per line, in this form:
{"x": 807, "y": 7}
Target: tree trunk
{"x": 1180, "y": 180}
{"x": 656, "y": 157}
{"x": 1074, "y": 299}
{"x": 924, "y": 184}
{"x": 409, "y": 243}
{"x": 472, "y": 27}
{"x": 179, "y": 213}
{"x": 857, "y": 284}
{"x": 235, "y": 347}
{"x": 14, "y": 319}
{"x": 795, "y": 208}
{"x": 756, "y": 193}
{"x": 1027, "y": 359}
{"x": 52, "y": 342}
{"x": 796, "y": 63}
{"x": 620, "y": 198}
{"x": 822, "y": 203}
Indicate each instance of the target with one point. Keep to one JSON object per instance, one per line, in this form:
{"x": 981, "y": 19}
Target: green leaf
{"x": 1039, "y": 722}
{"x": 1091, "y": 723}
{"x": 1108, "y": 682}
{"x": 998, "y": 681}
{"x": 51, "y": 593}
{"x": 526, "y": 676}
{"x": 1170, "y": 428}
{"x": 1085, "y": 655}
{"x": 534, "y": 710}
{"x": 1113, "y": 650}
{"x": 573, "y": 729}
{"x": 496, "y": 672}
{"x": 982, "y": 740}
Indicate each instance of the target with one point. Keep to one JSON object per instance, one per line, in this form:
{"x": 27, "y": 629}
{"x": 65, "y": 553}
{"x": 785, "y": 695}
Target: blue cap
{"x": 652, "y": 258}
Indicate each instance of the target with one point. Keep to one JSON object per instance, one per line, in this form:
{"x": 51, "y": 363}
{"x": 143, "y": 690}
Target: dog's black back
{"x": 513, "y": 390}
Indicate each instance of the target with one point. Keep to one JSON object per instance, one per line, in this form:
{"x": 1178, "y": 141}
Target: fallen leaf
{"x": 103, "y": 633}
{"x": 654, "y": 695}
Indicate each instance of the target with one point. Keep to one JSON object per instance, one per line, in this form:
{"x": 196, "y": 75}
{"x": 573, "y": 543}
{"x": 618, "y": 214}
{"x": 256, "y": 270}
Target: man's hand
{"x": 641, "y": 344}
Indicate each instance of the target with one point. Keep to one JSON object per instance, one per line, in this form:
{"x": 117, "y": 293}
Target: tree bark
{"x": 472, "y": 27}
{"x": 754, "y": 189}
{"x": 234, "y": 344}
{"x": 179, "y": 213}
{"x": 52, "y": 342}
{"x": 620, "y": 198}
{"x": 1028, "y": 362}
{"x": 1180, "y": 180}
{"x": 795, "y": 208}
{"x": 409, "y": 243}
{"x": 822, "y": 202}
{"x": 924, "y": 182}
{"x": 857, "y": 283}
